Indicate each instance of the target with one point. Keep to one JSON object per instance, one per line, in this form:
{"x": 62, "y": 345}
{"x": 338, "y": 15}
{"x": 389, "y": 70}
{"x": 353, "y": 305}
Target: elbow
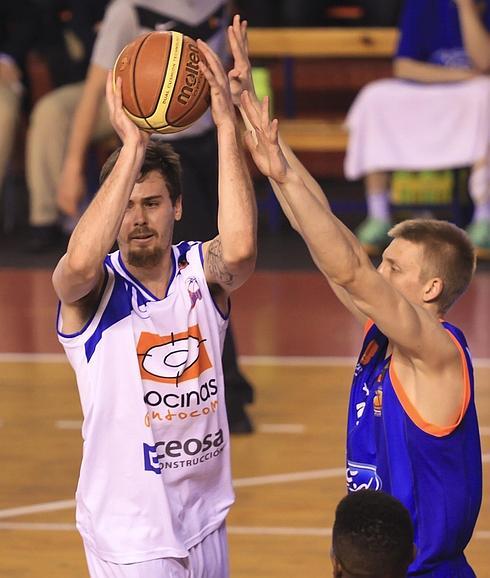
{"x": 344, "y": 279}
{"x": 350, "y": 274}
{"x": 241, "y": 257}
{"x": 482, "y": 63}
{"x": 79, "y": 269}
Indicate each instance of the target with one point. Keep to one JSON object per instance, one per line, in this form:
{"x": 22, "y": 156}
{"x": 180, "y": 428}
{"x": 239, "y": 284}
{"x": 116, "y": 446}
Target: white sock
{"x": 479, "y": 189}
{"x": 378, "y": 205}
{"x": 481, "y": 212}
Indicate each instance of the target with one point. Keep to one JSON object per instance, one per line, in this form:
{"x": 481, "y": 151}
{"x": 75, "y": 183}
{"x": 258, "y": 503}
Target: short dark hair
{"x": 372, "y": 535}
{"x": 448, "y": 254}
{"x": 159, "y": 157}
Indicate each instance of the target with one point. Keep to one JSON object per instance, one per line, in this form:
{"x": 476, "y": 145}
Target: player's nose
{"x": 139, "y": 214}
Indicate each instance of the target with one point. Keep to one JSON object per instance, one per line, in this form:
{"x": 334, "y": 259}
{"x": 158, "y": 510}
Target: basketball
{"x": 163, "y": 89}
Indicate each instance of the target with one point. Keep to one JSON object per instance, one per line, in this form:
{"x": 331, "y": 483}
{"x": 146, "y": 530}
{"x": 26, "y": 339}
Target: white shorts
{"x": 208, "y": 559}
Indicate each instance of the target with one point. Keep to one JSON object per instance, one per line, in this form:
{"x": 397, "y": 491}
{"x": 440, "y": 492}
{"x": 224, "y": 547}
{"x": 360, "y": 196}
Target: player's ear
{"x": 433, "y": 289}
{"x": 178, "y": 209}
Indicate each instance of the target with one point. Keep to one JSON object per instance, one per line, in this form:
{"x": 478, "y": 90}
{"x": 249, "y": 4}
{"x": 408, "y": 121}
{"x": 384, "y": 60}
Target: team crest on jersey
{"x": 173, "y": 358}
{"x": 378, "y": 402}
{"x": 194, "y": 290}
{"x": 362, "y": 477}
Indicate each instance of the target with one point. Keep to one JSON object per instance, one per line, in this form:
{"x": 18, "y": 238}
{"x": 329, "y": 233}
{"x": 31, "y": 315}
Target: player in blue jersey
{"x": 372, "y": 537}
{"x": 412, "y": 428}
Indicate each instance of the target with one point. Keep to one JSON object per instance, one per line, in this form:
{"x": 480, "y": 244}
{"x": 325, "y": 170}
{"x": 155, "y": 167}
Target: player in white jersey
{"x": 143, "y": 328}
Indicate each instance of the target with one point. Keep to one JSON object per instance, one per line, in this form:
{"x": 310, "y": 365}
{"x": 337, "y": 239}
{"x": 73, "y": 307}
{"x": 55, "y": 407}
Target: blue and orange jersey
{"x": 435, "y": 472}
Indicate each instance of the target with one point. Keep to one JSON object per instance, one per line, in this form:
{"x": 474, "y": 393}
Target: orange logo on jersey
{"x": 378, "y": 402}
{"x": 173, "y": 358}
{"x": 369, "y": 352}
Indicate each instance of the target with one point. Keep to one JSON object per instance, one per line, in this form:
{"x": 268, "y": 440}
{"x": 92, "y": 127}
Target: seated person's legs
{"x": 479, "y": 190}
{"x": 373, "y": 231}
{"x": 45, "y": 148}
{"x": 49, "y": 128}
{"x": 9, "y": 117}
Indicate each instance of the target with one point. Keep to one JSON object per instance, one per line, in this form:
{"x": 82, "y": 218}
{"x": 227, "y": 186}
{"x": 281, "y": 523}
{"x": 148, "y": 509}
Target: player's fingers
{"x": 250, "y": 142}
{"x": 236, "y": 48}
{"x": 118, "y": 94}
{"x": 109, "y": 90}
{"x": 238, "y": 31}
{"x": 264, "y": 112}
{"x": 274, "y": 134}
{"x": 213, "y": 63}
{"x": 250, "y": 110}
{"x": 207, "y": 74}
{"x": 212, "y": 58}
{"x": 243, "y": 30}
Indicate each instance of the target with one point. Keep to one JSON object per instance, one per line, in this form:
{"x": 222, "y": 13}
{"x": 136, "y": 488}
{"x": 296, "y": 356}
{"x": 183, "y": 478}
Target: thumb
{"x": 250, "y": 141}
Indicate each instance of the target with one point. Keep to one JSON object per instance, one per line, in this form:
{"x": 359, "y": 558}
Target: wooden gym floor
{"x": 296, "y": 345}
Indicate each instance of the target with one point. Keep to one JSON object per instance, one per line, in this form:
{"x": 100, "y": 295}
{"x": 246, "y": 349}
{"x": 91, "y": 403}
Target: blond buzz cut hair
{"x": 448, "y": 254}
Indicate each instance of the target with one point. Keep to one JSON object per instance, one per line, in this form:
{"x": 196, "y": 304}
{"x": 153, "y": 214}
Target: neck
{"x": 154, "y": 278}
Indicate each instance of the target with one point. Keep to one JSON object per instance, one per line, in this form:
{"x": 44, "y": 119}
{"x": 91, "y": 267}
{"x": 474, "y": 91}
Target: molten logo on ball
{"x": 191, "y": 77}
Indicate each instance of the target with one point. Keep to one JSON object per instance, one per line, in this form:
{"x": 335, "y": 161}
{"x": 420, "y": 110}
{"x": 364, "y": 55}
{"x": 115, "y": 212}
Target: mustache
{"x": 141, "y": 232}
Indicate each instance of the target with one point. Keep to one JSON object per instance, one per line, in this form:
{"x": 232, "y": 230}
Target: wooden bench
{"x": 317, "y": 140}
{"x": 322, "y": 42}
{"x": 292, "y": 44}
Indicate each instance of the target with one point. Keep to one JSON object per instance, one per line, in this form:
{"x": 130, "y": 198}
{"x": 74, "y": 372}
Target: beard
{"x": 146, "y": 257}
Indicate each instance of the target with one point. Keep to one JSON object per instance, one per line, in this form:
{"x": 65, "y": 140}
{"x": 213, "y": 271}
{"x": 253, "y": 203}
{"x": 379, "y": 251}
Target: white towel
{"x": 400, "y": 125}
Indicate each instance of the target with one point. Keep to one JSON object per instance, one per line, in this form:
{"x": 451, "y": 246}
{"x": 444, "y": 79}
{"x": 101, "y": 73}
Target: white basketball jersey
{"x": 155, "y": 476}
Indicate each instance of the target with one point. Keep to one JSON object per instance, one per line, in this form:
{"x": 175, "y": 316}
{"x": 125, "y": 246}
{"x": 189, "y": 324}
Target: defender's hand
{"x": 263, "y": 144}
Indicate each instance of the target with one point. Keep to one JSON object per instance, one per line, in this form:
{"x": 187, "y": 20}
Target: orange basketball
{"x": 163, "y": 89}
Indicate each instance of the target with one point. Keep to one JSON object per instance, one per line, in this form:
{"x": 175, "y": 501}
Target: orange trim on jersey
{"x": 414, "y": 415}
{"x": 367, "y": 326}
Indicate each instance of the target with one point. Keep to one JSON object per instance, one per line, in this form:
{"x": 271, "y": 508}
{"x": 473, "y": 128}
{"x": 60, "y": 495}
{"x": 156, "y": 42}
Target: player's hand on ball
{"x": 222, "y": 107}
{"x": 127, "y": 131}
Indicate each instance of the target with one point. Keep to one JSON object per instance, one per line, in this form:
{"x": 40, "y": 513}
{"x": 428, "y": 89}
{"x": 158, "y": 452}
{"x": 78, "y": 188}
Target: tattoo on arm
{"x": 216, "y": 265}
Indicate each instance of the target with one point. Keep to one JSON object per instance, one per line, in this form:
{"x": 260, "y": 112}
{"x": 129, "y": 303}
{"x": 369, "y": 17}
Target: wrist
{"x": 291, "y": 177}
{"x": 227, "y": 129}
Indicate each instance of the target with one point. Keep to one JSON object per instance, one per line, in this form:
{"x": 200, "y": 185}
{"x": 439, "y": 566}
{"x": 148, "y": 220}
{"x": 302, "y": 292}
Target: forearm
{"x": 237, "y": 211}
{"x": 476, "y": 38}
{"x": 409, "y": 69}
{"x": 334, "y": 249}
{"x": 97, "y": 229}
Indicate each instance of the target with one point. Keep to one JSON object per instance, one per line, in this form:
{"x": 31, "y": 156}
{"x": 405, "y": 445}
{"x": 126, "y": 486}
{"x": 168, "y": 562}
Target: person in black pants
{"x": 198, "y": 158}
